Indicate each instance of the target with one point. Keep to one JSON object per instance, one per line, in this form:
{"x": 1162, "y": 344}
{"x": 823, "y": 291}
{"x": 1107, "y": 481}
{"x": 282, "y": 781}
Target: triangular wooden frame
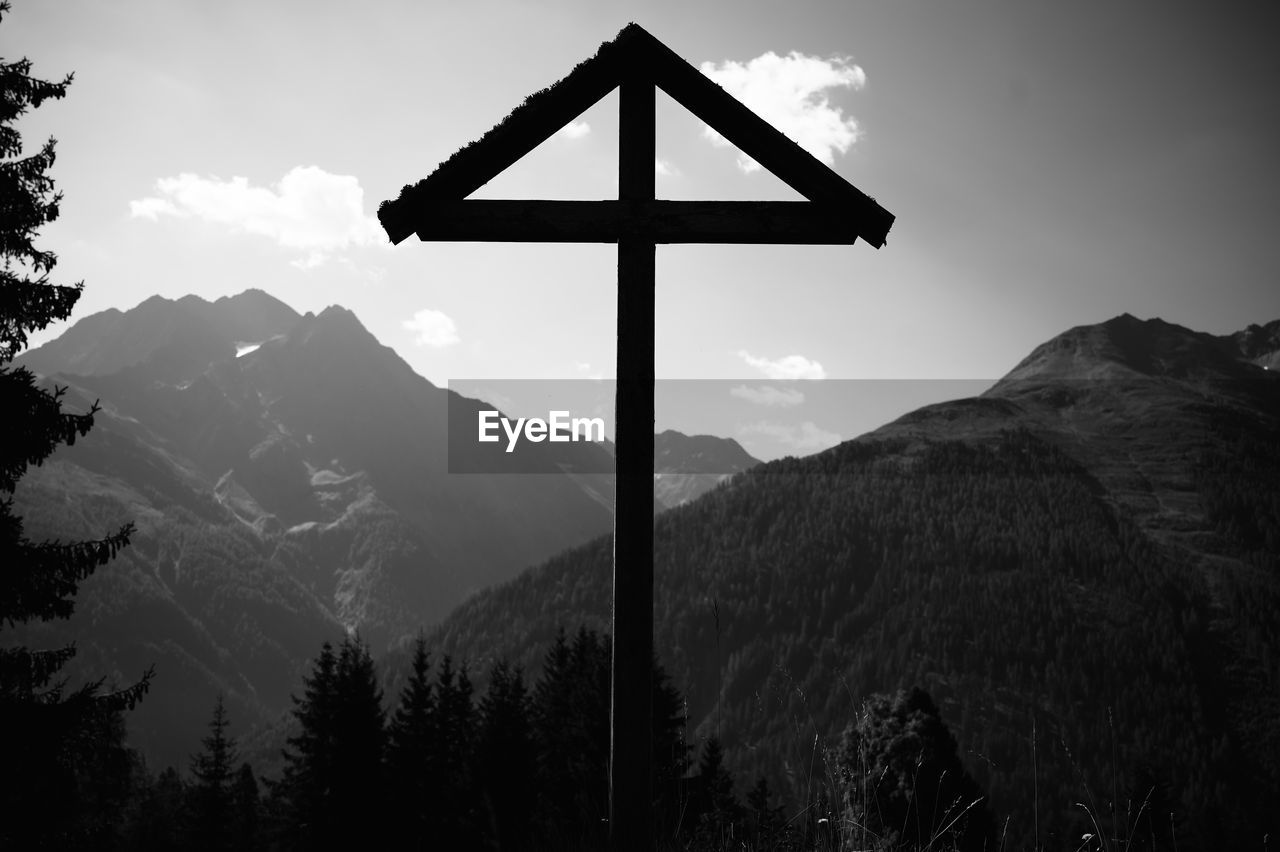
{"x": 437, "y": 208}
{"x": 837, "y": 212}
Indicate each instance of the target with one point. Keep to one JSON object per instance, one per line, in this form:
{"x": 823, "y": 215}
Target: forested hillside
{"x": 287, "y": 478}
{"x": 1088, "y": 594}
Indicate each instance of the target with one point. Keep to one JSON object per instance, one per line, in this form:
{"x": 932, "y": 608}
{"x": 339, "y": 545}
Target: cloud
{"x": 789, "y": 92}
{"x": 790, "y": 367}
{"x": 664, "y": 168}
{"x": 768, "y": 395}
{"x": 574, "y": 130}
{"x": 432, "y": 328}
{"x": 308, "y": 210}
{"x": 151, "y": 208}
{"x": 805, "y": 438}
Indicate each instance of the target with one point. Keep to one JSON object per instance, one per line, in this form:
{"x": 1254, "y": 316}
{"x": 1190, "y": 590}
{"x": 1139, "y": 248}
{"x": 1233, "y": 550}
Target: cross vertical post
{"x": 438, "y": 208}
{"x": 631, "y": 751}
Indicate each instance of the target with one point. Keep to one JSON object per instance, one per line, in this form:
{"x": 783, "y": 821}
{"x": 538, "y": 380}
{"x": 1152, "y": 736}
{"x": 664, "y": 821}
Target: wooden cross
{"x": 437, "y": 208}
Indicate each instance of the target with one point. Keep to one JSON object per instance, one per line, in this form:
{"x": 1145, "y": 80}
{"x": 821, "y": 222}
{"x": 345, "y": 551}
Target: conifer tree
{"x": 412, "y": 771}
{"x": 505, "y": 757}
{"x": 906, "y": 784}
{"x": 246, "y": 811}
{"x": 358, "y": 785}
{"x": 332, "y": 790}
{"x": 455, "y": 747}
{"x": 767, "y": 824}
{"x": 308, "y": 758}
{"x": 47, "y": 733}
{"x": 560, "y": 743}
{"x": 159, "y": 822}
{"x": 670, "y": 753}
{"x": 571, "y": 729}
{"x": 715, "y": 806}
{"x": 209, "y": 807}
{"x": 570, "y": 716}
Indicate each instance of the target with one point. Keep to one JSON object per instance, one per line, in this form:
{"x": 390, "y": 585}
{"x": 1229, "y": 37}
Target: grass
{"x": 836, "y": 811}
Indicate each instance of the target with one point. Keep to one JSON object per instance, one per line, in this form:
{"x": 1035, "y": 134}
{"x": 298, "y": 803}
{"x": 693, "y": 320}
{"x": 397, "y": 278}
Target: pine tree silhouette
{"x": 304, "y": 787}
{"x": 767, "y": 825}
{"x": 906, "y": 783}
{"x": 209, "y": 797}
{"x": 571, "y": 732}
{"x": 714, "y": 808}
{"x": 49, "y": 736}
{"x": 333, "y": 788}
{"x": 358, "y": 785}
{"x": 455, "y": 739}
{"x": 413, "y": 770}
{"x": 570, "y": 713}
{"x": 246, "y": 811}
{"x": 505, "y": 758}
{"x": 161, "y": 818}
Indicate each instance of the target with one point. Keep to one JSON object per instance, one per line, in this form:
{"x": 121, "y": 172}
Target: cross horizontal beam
{"x": 773, "y": 222}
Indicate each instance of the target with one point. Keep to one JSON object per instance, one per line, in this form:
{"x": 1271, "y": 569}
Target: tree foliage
{"x": 412, "y": 766}
{"x": 210, "y": 796}
{"x": 50, "y": 734}
{"x": 505, "y": 768}
{"x": 332, "y": 790}
{"x": 999, "y": 575}
{"x": 715, "y": 812}
{"x": 906, "y": 787}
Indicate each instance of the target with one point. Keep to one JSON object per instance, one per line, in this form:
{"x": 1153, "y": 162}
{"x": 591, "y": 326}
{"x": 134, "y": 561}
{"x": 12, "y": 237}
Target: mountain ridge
{"x": 305, "y": 478}
{"x": 1091, "y": 549}
{"x": 113, "y": 339}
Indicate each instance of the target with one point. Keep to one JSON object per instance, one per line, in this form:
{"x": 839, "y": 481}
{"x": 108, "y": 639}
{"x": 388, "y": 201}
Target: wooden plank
{"x": 762, "y": 141}
{"x": 631, "y": 751}
{"x": 665, "y": 222}
{"x": 637, "y": 53}
{"x": 527, "y": 127}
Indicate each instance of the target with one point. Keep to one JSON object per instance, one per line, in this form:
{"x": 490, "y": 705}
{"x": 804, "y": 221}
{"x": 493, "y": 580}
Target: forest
{"x": 515, "y": 766}
{"x": 1072, "y": 656}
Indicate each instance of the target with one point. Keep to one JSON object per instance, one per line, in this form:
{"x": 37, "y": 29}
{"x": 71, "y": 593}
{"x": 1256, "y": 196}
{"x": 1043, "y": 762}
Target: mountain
{"x": 687, "y": 466}
{"x": 1082, "y": 565}
{"x": 190, "y": 328}
{"x": 1259, "y": 344}
{"x": 281, "y": 496}
{"x": 289, "y": 477}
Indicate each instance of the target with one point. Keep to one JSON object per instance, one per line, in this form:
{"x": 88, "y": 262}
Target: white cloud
{"x": 664, "y": 168}
{"x": 432, "y": 328}
{"x": 574, "y": 130}
{"x": 308, "y": 210}
{"x": 151, "y": 208}
{"x": 768, "y": 395}
{"x": 789, "y": 92}
{"x": 789, "y": 367}
{"x": 805, "y": 438}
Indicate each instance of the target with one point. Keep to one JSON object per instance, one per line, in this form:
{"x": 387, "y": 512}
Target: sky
{"x": 1049, "y": 164}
